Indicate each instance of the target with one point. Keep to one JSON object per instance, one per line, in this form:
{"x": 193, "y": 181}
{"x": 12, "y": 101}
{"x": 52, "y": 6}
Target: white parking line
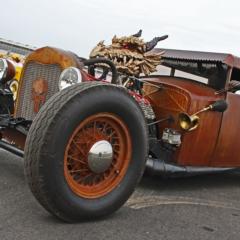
{"x": 152, "y": 201}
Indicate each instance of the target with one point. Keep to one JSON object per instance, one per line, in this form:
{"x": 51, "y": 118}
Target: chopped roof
{"x": 187, "y": 55}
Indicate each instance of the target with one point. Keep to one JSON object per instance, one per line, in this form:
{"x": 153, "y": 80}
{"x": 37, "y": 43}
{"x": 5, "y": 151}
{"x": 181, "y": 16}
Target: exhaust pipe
{"x": 11, "y": 148}
{"x": 157, "y": 167}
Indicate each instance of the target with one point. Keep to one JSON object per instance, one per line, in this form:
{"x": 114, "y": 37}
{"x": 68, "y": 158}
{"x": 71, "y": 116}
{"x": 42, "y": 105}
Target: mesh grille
{"x": 33, "y": 71}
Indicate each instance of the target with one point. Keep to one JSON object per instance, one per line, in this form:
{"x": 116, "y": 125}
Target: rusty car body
{"x": 214, "y": 142}
{"x": 87, "y": 142}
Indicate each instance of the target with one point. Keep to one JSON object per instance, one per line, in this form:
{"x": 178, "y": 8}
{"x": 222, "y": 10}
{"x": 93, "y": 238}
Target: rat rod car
{"x": 86, "y": 141}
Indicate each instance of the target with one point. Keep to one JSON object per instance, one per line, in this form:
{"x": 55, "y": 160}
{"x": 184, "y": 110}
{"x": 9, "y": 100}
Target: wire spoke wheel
{"x": 95, "y": 177}
{"x": 86, "y": 151}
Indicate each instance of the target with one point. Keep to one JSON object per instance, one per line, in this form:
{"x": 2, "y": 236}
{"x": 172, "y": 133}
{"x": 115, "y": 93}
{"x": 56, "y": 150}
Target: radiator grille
{"x": 33, "y": 71}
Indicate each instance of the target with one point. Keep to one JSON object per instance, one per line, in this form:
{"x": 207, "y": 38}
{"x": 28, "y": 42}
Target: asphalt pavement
{"x": 203, "y": 207}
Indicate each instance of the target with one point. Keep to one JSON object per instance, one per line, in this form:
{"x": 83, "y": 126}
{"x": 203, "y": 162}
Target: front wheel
{"x": 86, "y": 151}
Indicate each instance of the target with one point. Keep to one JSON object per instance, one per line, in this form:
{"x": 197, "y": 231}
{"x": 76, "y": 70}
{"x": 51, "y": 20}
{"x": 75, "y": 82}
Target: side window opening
{"x": 234, "y": 84}
{"x": 211, "y": 73}
{"x": 193, "y": 77}
{"x": 235, "y": 74}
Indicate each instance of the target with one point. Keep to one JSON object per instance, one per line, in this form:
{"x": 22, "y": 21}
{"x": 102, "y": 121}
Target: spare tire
{"x": 86, "y": 150}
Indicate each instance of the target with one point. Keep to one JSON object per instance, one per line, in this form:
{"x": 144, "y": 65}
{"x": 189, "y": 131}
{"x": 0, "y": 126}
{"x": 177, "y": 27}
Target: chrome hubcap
{"x": 100, "y": 156}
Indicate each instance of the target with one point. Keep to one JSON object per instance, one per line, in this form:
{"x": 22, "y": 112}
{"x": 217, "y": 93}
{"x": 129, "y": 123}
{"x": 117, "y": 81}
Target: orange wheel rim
{"x": 81, "y": 178}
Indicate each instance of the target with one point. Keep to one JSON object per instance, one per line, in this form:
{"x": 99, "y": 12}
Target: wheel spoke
{"x": 115, "y": 144}
{"x": 111, "y": 135}
{"x": 85, "y": 177}
{"x": 78, "y": 148}
{"x": 77, "y": 160}
{"x": 87, "y": 134}
{"x": 78, "y": 170}
{"x": 104, "y": 127}
{"x": 94, "y": 128}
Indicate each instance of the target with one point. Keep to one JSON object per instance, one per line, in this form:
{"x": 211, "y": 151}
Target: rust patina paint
{"x": 48, "y": 55}
{"x": 181, "y": 95}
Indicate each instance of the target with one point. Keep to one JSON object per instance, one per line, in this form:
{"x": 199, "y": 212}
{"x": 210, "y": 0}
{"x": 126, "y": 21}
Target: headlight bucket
{"x": 68, "y": 77}
{"x": 7, "y": 70}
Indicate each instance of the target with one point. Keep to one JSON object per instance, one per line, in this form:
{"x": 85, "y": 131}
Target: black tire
{"x": 48, "y": 138}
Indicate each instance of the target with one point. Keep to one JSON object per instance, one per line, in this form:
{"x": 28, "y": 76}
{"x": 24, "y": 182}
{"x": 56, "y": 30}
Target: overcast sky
{"x": 77, "y": 25}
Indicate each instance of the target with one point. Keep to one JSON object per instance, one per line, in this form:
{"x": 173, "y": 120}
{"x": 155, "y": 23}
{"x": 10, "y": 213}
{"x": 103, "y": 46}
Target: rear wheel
{"x": 86, "y": 150}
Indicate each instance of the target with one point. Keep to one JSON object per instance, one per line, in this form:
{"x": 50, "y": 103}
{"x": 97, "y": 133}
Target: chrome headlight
{"x": 7, "y": 70}
{"x": 69, "y": 77}
{"x": 3, "y": 68}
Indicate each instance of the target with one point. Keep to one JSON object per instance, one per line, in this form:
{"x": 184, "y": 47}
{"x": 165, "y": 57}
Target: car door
{"x": 227, "y": 150}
